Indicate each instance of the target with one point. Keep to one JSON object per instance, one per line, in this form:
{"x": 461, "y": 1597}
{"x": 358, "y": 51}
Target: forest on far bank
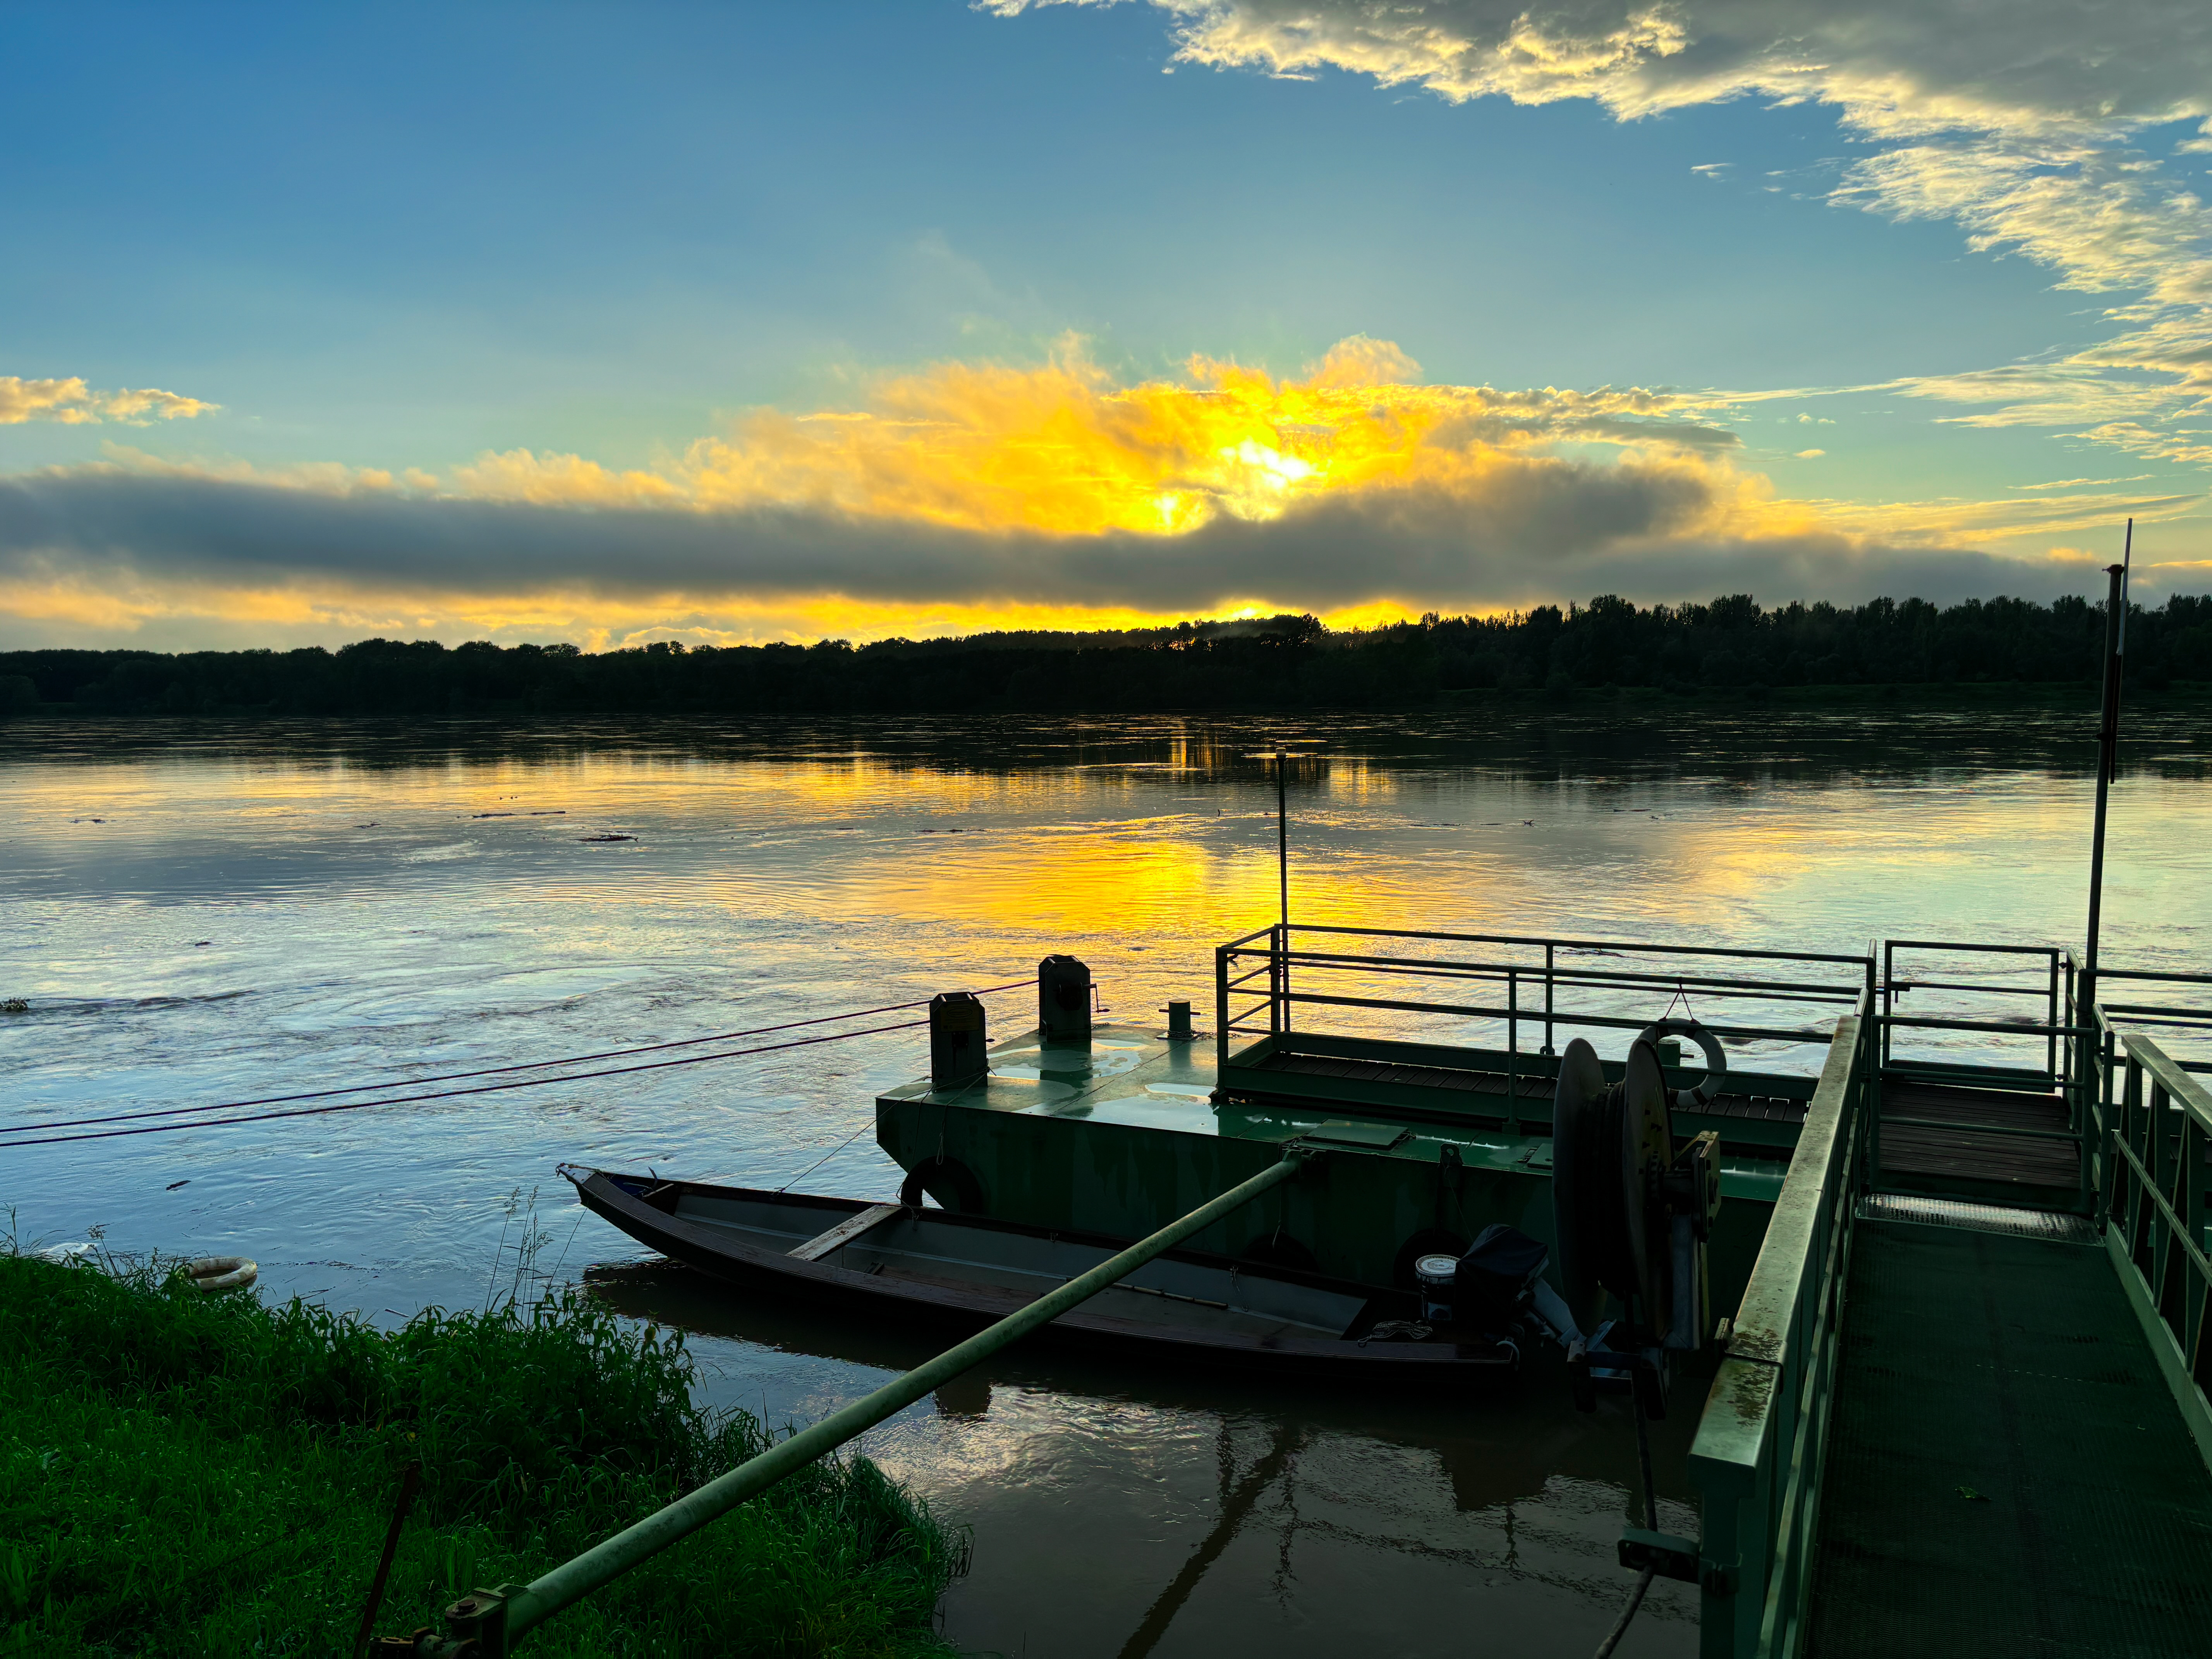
{"x": 1731, "y": 646}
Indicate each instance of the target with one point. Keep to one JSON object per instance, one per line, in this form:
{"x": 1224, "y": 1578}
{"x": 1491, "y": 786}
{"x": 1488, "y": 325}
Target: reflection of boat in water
{"x": 929, "y": 1265}
{"x": 1506, "y": 1453}
{"x": 1378, "y": 1483}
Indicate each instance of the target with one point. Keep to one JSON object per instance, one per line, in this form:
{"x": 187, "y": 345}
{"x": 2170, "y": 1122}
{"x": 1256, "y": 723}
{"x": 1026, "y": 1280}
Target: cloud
{"x": 1954, "y": 521}
{"x": 1897, "y": 67}
{"x": 71, "y": 403}
{"x": 520, "y": 475}
{"x": 975, "y": 489}
{"x": 110, "y": 552}
{"x": 1810, "y": 454}
{"x": 1443, "y": 537}
{"x": 2188, "y": 444}
{"x": 1057, "y": 448}
{"x": 2031, "y": 125}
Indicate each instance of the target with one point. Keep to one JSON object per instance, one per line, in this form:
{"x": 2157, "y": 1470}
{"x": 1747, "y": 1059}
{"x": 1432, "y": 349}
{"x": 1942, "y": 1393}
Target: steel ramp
{"x": 2008, "y": 1473}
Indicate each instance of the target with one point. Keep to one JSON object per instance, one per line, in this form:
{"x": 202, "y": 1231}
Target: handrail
{"x": 2001, "y": 1027}
{"x": 1612, "y": 977}
{"x": 1480, "y": 1011}
{"x": 2188, "y": 1094}
{"x": 1568, "y": 943}
{"x": 1973, "y": 945}
{"x": 1248, "y": 1009}
{"x": 2055, "y": 991}
{"x": 485, "y": 1624}
{"x": 1763, "y": 1435}
{"x": 2154, "y": 1135}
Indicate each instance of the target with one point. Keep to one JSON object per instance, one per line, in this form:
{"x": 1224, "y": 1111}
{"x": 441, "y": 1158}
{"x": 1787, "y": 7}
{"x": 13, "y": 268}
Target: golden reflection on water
{"x": 248, "y": 917}
{"x": 1184, "y": 844}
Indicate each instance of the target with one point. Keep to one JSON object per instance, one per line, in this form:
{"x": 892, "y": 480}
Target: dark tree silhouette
{"x": 1731, "y": 647}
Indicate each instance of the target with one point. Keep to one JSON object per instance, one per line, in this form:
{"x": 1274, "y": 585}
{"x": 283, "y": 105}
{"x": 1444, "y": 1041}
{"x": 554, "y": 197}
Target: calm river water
{"x": 199, "y": 913}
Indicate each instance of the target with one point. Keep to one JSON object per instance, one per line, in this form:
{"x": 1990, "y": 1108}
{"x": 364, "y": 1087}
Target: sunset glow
{"x": 1031, "y": 325}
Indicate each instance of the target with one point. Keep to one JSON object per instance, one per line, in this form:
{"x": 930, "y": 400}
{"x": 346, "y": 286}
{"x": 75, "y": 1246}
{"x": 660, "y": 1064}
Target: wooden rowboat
{"x": 967, "y": 1271}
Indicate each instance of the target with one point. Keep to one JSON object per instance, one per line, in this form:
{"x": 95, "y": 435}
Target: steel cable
{"x": 450, "y": 1094}
{"x": 1651, "y": 1523}
{"x": 490, "y": 1070}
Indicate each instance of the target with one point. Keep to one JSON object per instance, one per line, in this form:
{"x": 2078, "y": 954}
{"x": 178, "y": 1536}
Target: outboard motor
{"x": 1498, "y": 1276}
{"x": 1064, "y": 1000}
{"x": 958, "y": 1040}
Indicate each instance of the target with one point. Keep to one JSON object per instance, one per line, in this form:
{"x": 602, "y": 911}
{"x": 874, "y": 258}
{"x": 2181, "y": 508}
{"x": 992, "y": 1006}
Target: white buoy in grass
{"x": 221, "y": 1273}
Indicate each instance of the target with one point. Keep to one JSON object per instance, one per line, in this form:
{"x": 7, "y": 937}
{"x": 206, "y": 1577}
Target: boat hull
{"x": 963, "y": 1273}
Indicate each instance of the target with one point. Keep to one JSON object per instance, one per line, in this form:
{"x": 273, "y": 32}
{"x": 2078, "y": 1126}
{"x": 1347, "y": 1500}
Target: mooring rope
{"x": 492, "y": 1071}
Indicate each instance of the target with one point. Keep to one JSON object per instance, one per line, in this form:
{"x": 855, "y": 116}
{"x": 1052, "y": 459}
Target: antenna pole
{"x": 2108, "y": 748}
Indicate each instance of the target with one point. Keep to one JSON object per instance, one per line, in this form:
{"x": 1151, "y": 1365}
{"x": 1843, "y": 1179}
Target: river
{"x": 198, "y": 912}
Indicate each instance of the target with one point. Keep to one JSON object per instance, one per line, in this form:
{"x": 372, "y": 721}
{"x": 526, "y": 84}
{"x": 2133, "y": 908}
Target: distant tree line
{"x": 1731, "y": 647}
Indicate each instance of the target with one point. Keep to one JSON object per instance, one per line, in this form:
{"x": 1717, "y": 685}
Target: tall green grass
{"x": 183, "y": 1473}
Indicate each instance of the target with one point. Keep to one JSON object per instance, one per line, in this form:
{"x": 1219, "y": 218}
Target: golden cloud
{"x": 71, "y": 402}
{"x": 1058, "y": 449}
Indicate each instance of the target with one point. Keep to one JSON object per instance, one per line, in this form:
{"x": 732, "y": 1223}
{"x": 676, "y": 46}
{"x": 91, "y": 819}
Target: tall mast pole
{"x": 2108, "y": 747}
{"x": 1283, "y": 838}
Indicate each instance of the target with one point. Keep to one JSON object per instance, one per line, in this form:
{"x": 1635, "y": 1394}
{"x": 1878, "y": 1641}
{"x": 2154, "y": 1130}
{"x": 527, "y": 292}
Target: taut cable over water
{"x": 205, "y": 1122}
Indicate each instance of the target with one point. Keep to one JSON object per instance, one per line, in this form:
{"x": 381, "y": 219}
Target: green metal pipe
{"x": 575, "y": 1579}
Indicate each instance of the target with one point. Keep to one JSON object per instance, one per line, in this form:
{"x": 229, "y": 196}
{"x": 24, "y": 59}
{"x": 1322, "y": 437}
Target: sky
{"x": 728, "y": 324}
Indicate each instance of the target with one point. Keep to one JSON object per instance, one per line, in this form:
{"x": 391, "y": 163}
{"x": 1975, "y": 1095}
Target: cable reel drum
{"x": 1633, "y": 1209}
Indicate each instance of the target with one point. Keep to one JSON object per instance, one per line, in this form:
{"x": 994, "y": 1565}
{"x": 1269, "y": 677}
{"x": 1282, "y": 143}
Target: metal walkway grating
{"x": 1979, "y": 1217}
{"x": 2006, "y": 1473}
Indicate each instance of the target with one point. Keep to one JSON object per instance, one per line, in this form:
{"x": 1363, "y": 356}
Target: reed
{"x": 182, "y": 1473}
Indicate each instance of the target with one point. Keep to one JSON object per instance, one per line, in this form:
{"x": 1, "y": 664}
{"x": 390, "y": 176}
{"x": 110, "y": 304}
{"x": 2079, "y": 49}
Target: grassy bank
{"x": 190, "y": 1474}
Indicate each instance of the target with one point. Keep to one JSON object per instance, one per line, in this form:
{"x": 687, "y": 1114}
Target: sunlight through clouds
{"x": 1058, "y": 448}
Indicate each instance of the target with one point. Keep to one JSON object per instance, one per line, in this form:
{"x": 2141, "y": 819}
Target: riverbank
{"x": 1729, "y": 648}
{"x": 188, "y": 1474}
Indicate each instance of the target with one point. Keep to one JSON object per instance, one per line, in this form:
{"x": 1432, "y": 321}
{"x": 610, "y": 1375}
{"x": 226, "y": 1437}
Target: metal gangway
{"x": 1963, "y": 1405}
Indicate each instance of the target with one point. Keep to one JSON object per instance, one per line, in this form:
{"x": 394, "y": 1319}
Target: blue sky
{"x": 399, "y": 240}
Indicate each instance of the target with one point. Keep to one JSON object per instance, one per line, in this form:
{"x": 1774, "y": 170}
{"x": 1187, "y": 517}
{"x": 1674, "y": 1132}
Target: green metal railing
{"x": 485, "y": 1625}
{"x": 2155, "y": 1133}
{"x": 1264, "y": 980}
{"x": 2064, "y": 1043}
{"x": 2054, "y": 988}
{"x": 1757, "y": 1458}
{"x": 2157, "y": 1017}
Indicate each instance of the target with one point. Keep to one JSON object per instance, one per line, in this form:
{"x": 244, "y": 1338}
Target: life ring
{"x": 1715, "y": 1057}
{"x": 211, "y": 1273}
